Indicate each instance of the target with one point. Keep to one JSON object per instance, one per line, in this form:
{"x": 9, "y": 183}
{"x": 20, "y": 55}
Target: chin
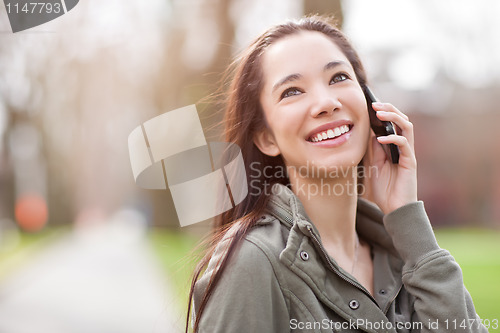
{"x": 331, "y": 168}
{"x": 340, "y": 160}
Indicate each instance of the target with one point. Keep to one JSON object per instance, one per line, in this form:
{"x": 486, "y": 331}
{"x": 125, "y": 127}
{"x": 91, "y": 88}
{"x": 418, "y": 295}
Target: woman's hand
{"x": 393, "y": 185}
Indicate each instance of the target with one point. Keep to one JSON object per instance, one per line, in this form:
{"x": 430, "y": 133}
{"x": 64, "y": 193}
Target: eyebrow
{"x": 297, "y": 76}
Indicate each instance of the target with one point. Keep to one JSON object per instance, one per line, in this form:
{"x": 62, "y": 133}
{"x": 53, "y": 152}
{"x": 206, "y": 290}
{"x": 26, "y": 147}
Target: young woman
{"x": 331, "y": 236}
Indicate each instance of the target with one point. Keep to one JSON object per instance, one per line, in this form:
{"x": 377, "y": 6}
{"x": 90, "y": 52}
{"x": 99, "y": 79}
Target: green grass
{"x": 477, "y": 251}
{"x": 20, "y": 247}
{"x": 174, "y": 251}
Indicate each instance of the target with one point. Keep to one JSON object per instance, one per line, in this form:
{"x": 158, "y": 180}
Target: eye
{"x": 290, "y": 92}
{"x": 339, "y": 77}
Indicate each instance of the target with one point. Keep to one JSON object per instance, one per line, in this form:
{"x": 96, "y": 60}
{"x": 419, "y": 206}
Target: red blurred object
{"x": 31, "y": 212}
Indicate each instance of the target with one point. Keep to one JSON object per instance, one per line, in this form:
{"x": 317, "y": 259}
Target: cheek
{"x": 362, "y": 109}
{"x": 284, "y": 122}
{"x": 363, "y": 116}
{"x": 365, "y": 124}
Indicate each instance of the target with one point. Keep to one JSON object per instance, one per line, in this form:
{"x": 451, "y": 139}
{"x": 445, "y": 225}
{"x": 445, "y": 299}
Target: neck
{"x": 331, "y": 205}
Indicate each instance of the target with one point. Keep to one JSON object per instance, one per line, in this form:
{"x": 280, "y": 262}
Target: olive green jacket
{"x": 281, "y": 279}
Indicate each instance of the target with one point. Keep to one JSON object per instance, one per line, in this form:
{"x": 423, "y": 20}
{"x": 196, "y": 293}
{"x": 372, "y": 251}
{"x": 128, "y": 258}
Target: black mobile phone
{"x": 381, "y": 128}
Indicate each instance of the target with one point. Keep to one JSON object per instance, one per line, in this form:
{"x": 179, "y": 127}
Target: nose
{"x": 324, "y": 102}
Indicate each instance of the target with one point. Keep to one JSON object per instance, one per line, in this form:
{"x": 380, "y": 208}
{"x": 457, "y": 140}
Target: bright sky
{"x": 461, "y": 36}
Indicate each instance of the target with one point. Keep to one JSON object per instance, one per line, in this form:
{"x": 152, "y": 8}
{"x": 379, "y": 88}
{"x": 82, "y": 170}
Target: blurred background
{"x": 83, "y": 249}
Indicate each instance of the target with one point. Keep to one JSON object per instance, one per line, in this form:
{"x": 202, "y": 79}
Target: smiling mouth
{"x": 329, "y": 134}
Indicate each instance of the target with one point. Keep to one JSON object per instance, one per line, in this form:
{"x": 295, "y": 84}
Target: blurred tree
{"x": 180, "y": 84}
{"x": 325, "y": 7}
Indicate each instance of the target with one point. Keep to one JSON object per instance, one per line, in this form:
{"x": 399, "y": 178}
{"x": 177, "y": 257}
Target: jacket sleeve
{"x": 431, "y": 274}
{"x": 247, "y": 298}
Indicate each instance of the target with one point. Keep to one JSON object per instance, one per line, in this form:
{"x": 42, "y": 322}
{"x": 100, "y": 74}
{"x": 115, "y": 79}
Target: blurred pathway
{"x": 103, "y": 279}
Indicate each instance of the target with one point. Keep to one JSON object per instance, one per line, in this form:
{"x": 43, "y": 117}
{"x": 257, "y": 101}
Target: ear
{"x": 264, "y": 140}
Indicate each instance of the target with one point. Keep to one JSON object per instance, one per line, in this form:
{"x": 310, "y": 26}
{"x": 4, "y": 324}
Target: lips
{"x": 330, "y": 131}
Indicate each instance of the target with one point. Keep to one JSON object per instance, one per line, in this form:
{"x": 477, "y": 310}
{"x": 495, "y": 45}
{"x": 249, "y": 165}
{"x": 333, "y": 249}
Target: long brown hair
{"x": 242, "y": 119}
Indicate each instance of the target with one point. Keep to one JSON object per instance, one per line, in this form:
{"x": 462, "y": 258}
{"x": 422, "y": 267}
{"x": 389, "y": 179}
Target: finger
{"x": 405, "y": 149}
{"x": 405, "y": 125}
{"x": 377, "y": 106}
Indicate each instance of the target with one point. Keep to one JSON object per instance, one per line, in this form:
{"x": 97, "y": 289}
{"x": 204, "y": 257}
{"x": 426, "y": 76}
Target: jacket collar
{"x": 287, "y": 208}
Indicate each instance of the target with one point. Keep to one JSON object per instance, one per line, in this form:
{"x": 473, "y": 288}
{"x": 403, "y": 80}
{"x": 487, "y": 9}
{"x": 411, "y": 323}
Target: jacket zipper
{"x": 283, "y": 216}
{"x": 318, "y": 244}
{"x": 353, "y": 283}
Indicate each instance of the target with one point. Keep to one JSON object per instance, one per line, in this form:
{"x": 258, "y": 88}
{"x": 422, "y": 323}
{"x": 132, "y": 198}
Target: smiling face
{"x": 313, "y": 104}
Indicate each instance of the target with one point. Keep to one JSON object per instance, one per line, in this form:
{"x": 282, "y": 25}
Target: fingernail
{"x": 377, "y": 104}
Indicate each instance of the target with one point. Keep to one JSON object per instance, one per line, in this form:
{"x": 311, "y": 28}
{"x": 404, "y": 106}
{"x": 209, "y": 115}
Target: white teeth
{"x": 330, "y": 134}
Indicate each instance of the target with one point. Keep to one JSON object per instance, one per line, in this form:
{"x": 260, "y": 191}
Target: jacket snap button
{"x": 354, "y": 304}
{"x": 382, "y": 291}
{"x": 304, "y": 255}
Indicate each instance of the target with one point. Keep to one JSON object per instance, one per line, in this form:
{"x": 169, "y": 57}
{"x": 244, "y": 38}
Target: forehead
{"x": 298, "y": 53}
